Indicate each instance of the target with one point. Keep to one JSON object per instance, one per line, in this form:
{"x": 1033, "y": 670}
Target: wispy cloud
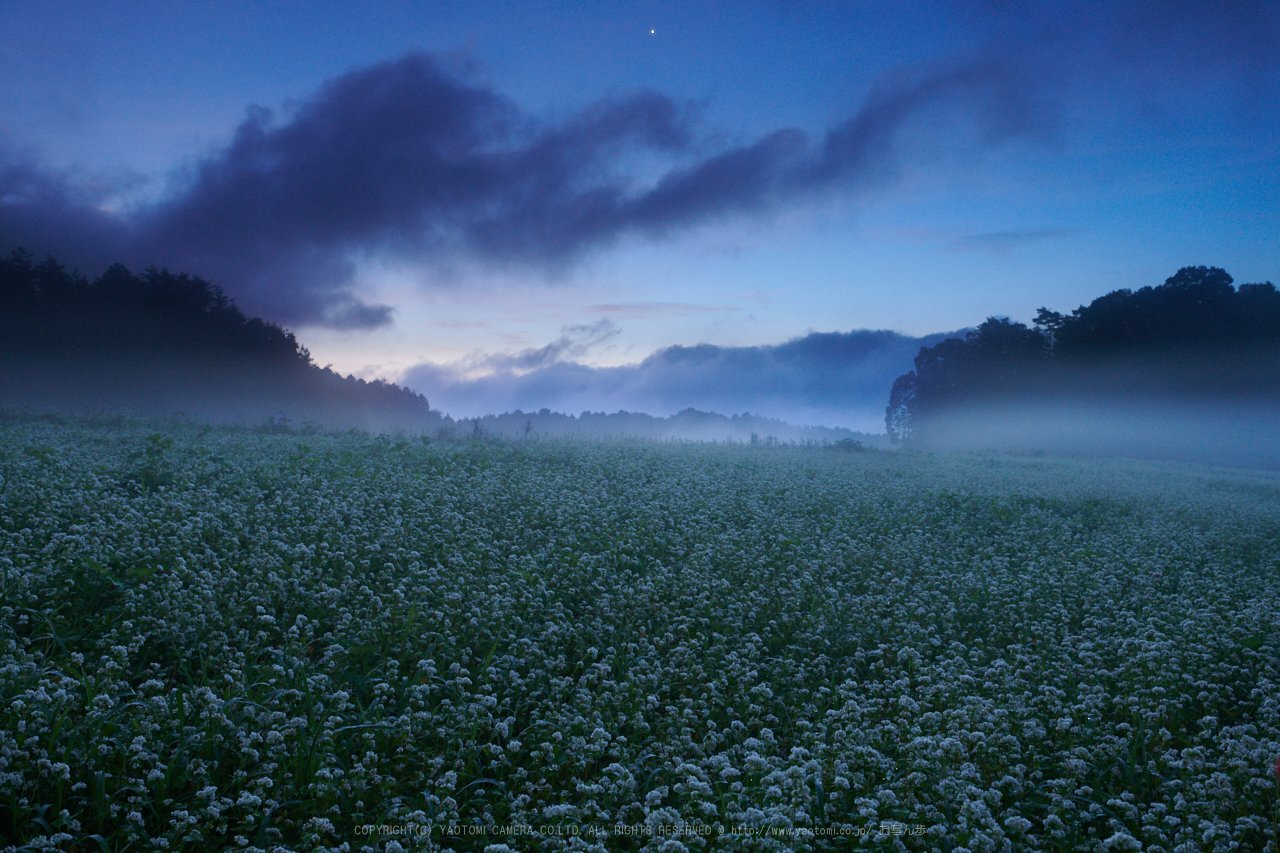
{"x": 574, "y": 342}
{"x": 1004, "y": 242}
{"x": 656, "y": 309}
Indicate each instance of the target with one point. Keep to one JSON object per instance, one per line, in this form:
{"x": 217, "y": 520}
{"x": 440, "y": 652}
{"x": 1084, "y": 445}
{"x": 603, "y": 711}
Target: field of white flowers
{"x": 225, "y": 638}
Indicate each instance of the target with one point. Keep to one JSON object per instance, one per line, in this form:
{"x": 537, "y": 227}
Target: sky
{"x": 751, "y": 206}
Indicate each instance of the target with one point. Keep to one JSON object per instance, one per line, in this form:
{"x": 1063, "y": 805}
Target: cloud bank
{"x": 826, "y": 379}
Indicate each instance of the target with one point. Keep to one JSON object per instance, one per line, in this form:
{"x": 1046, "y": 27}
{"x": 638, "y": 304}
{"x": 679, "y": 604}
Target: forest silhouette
{"x": 161, "y": 343}
{"x": 1190, "y": 368}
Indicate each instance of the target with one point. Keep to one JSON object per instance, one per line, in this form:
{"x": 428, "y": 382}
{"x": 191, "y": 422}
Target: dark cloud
{"x": 403, "y": 159}
{"x": 399, "y": 157}
{"x": 999, "y": 99}
{"x": 833, "y": 379}
{"x": 49, "y": 211}
{"x": 350, "y": 313}
{"x": 406, "y": 160}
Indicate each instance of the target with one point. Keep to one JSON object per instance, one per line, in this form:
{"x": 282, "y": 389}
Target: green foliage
{"x": 151, "y": 468}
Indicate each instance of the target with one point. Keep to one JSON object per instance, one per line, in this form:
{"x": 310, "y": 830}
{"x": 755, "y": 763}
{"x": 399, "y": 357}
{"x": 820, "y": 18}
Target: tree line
{"x": 160, "y": 341}
{"x": 1194, "y": 340}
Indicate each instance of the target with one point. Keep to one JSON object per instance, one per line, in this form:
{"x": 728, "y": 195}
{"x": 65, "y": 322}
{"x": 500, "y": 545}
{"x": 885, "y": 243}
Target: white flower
{"x": 1123, "y": 841}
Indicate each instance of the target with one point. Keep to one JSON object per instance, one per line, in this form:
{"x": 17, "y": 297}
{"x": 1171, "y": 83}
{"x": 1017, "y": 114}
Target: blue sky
{"x": 507, "y": 204}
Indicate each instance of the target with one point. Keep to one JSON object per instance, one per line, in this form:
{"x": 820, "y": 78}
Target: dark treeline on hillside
{"x": 688, "y": 425}
{"x": 162, "y": 342}
{"x": 1189, "y": 369}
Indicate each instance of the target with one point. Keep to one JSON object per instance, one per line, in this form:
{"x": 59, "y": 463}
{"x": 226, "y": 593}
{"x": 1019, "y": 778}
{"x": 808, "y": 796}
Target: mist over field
{"x": 1188, "y": 370}
{"x": 1243, "y": 436}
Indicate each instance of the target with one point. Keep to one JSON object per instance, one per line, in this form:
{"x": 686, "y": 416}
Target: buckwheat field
{"x": 225, "y": 638}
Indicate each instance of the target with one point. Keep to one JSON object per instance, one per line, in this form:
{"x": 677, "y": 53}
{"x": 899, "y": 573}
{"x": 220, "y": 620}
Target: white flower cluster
{"x": 216, "y": 638}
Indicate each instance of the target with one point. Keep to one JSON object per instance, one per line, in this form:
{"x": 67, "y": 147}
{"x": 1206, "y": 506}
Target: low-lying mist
{"x": 222, "y": 392}
{"x": 1243, "y": 435}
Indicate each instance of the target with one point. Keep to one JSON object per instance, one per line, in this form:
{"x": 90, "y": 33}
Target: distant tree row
{"x": 686, "y": 425}
{"x": 162, "y": 340}
{"x": 1194, "y": 338}
{"x": 46, "y": 308}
